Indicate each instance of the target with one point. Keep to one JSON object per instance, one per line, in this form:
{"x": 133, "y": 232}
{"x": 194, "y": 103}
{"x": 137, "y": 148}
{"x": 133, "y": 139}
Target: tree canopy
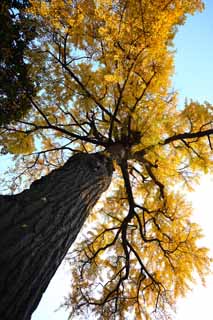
{"x": 17, "y": 32}
{"x": 105, "y": 71}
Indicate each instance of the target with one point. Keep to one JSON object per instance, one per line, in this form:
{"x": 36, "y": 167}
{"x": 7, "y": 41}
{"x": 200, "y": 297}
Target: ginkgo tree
{"x": 105, "y": 71}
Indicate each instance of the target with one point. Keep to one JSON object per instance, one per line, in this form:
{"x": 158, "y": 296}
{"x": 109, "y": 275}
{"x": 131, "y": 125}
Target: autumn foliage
{"x": 105, "y": 71}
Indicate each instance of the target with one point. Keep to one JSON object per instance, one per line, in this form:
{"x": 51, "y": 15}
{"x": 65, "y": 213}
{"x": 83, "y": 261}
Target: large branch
{"x": 139, "y": 155}
{"x": 50, "y": 126}
{"x": 188, "y": 135}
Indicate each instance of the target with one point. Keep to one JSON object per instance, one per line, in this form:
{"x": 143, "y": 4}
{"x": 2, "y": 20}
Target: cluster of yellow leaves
{"x": 18, "y": 142}
{"x": 121, "y": 53}
{"x": 168, "y": 249}
{"x": 127, "y": 44}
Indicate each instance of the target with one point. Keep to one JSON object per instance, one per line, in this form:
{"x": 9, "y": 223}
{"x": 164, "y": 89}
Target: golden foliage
{"x": 18, "y": 142}
{"x": 106, "y": 70}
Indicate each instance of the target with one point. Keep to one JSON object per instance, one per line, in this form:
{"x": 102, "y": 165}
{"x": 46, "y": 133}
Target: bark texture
{"x": 38, "y": 226}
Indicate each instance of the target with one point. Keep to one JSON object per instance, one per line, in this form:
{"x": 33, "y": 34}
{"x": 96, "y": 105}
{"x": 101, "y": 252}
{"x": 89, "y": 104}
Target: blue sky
{"x": 194, "y": 58}
{"x": 193, "y": 79}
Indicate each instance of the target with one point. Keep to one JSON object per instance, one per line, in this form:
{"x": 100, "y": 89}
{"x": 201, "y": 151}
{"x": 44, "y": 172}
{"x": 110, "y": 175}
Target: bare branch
{"x": 187, "y": 135}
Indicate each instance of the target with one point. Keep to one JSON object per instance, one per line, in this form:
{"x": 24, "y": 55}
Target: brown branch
{"x": 124, "y": 170}
{"x": 167, "y": 4}
{"x": 156, "y": 181}
{"x": 77, "y": 123}
{"x": 187, "y": 144}
{"x": 138, "y": 99}
{"x": 121, "y": 91}
{"x": 62, "y": 130}
{"x": 187, "y": 135}
{"x": 108, "y": 245}
{"x": 210, "y": 143}
{"x": 40, "y": 111}
{"x": 82, "y": 86}
{"x": 143, "y": 266}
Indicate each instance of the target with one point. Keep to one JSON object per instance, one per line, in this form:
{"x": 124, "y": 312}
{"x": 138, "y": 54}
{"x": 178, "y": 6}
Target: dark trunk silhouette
{"x": 38, "y": 226}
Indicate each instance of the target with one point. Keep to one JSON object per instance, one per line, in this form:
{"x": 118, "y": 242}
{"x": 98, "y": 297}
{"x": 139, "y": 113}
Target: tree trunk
{"x": 38, "y": 226}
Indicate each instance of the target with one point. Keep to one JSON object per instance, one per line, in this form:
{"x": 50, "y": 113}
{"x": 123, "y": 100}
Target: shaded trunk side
{"x": 38, "y": 226}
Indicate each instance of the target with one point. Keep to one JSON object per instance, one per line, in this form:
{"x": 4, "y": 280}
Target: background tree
{"x": 16, "y": 33}
{"x": 106, "y": 85}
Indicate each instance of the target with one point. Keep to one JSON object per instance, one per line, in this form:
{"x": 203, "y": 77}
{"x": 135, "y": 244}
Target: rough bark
{"x": 38, "y": 226}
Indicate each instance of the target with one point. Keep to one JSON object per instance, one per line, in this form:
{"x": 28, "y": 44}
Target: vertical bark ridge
{"x": 38, "y": 226}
